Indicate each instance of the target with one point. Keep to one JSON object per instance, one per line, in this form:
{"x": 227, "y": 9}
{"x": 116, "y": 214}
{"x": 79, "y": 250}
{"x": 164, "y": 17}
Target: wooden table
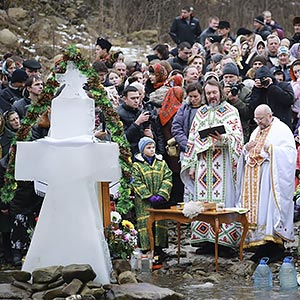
{"x": 214, "y": 218}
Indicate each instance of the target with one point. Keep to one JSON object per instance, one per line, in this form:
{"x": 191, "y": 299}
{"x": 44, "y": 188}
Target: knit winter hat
{"x": 18, "y": 75}
{"x": 283, "y": 50}
{"x": 144, "y": 141}
{"x": 217, "y": 57}
{"x": 209, "y": 75}
{"x": 260, "y": 20}
{"x": 231, "y": 68}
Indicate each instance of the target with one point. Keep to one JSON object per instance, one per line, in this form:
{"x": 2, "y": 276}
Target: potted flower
{"x": 121, "y": 237}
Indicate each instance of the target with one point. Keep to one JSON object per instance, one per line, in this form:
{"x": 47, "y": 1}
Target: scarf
{"x": 171, "y": 104}
{"x": 161, "y": 75}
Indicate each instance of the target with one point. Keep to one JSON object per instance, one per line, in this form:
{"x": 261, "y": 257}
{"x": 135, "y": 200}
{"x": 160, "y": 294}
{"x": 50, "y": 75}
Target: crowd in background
{"x": 159, "y": 99}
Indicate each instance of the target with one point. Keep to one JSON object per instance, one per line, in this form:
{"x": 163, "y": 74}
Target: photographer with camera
{"x": 138, "y": 123}
{"x": 278, "y": 95}
{"x": 237, "y": 95}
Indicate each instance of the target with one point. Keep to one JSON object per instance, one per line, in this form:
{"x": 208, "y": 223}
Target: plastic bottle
{"x": 288, "y": 274}
{"x": 136, "y": 258}
{"x": 263, "y": 275}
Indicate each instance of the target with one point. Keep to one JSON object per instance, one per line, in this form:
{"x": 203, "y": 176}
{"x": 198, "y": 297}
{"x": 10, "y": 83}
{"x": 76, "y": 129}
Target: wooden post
{"x": 104, "y": 202}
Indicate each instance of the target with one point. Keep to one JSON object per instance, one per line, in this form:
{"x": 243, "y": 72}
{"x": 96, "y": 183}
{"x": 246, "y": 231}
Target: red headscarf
{"x": 160, "y": 73}
{"x": 171, "y": 104}
{"x": 175, "y": 80}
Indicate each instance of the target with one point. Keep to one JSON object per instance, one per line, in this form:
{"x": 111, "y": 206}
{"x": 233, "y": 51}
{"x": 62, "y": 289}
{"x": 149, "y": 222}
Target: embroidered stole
{"x": 250, "y": 196}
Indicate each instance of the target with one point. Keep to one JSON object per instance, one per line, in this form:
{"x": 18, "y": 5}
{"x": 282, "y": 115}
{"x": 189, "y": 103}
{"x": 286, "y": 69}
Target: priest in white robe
{"x": 208, "y": 169}
{"x": 266, "y": 171}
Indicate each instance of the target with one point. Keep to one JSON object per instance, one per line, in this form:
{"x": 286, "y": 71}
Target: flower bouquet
{"x": 121, "y": 237}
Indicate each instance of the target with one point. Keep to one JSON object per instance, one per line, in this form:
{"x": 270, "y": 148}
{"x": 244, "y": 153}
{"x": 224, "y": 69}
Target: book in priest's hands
{"x": 212, "y": 130}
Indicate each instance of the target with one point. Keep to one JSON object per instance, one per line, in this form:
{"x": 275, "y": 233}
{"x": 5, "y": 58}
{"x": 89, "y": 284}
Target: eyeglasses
{"x": 259, "y": 119}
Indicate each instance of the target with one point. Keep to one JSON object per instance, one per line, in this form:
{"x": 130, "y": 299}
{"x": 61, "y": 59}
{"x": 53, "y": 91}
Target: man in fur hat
{"x": 102, "y": 50}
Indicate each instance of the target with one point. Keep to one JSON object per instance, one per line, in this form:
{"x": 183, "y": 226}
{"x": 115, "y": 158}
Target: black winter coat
{"x": 7, "y": 97}
{"x": 185, "y": 30}
{"x": 25, "y": 201}
{"x": 21, "y": 106}
{"x": 135, "y": 132}
{"x": 279, "y": 96}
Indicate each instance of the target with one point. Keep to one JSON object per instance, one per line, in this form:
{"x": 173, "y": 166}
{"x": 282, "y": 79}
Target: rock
{"x": 46, "y": 275}
{"x": 41, "y": 31}
{"x": 38, "y": 287}
{"x": 82, "y": 272}
{"x": 73, "y": 287}
{"x": 93, "y": 285}
{"x": 8, "y": 291}
{"x": 187, "y": 276}
{"x": 71, "y": 13}
{"x": 56, "y": 283}
{"x": 88, "y": 297}
{"x": 86, "y": 291}
{"x": 98, "y": 293}
{"x": 38, "y": 296}
{"x": 127, "y": 277}
{"x": 23, "y": 285}
{"x": 242, "y": 268}
{"x": 17, "y": 13}
{"x": 6, "y": 277}
{"x": 7, "y": 37}
{"x": 121, "y": 265}
{"x": 3, "y": 16}
{"x": 144, "y": 36}
{"x": 107, "y": 286}
{"x": 145, "y": 291}
{"x": 56, "y": 292}
{"x": 21, "y": 275}
{"x": 214, "y": 278}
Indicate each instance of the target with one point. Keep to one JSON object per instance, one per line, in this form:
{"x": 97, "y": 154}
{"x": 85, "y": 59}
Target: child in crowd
{"x": 152, "y": 183}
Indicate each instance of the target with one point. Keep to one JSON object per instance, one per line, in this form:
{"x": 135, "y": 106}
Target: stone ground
{"x": 195, "y": 274}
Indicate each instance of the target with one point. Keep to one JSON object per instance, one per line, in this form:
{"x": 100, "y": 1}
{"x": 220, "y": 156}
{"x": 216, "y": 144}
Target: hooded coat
{"x": 278, "y": 95}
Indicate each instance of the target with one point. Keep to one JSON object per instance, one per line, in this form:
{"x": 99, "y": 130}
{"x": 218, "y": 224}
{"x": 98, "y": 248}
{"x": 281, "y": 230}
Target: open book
{"x": 211, "y": 130}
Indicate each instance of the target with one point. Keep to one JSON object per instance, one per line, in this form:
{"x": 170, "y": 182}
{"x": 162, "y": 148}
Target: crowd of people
{"x": 248, "y": 82}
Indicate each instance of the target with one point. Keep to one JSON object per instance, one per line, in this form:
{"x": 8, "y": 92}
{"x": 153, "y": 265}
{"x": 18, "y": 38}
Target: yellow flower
{"x": 129, "y": 159}
{"x": 127, "y": 224}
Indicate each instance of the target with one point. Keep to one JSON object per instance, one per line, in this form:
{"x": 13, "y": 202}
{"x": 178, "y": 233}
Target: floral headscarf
{"x": 171, "y": 104}
{"x": 160, "y": 73}
{"x": 175, "y": 80}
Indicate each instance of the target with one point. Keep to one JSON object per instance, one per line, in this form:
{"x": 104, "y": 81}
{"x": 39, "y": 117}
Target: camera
{"x": 264, "y": 81}
{"x": 234, "y": 88}
{"x": 148, "y": 110}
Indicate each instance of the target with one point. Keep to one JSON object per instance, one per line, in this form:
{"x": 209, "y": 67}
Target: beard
{"x": 213, "y": 103}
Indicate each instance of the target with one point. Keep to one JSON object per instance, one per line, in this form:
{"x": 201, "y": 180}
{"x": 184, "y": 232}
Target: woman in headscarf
{"x": 170, "y": 106}
{"x": 295, "y": 51}
{"x": 155, "y": 86}
{"x": 12, "y": 120}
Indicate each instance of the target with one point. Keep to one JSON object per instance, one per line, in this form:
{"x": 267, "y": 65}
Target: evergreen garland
{"x": 113, "y": 123}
